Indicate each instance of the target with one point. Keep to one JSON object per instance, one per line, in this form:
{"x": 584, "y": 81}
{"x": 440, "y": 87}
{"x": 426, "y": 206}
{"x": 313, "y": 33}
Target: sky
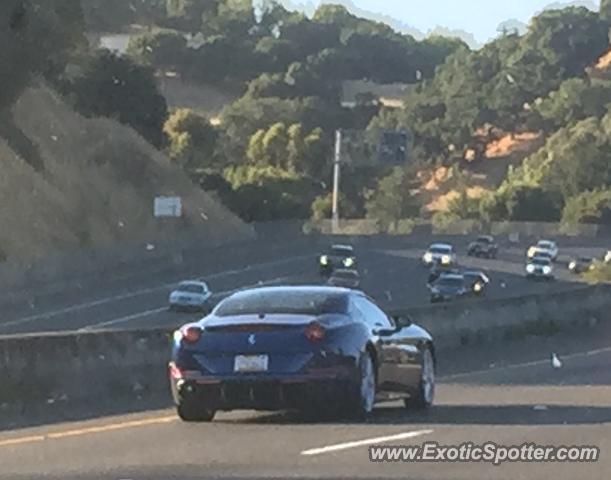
{"x": 478, "y": 17}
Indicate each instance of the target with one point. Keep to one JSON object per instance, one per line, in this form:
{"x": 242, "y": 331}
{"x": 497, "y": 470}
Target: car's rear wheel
{"x": 192, "y": 412}
{"x": 425, "y": 394}
{"x": 364, "y": 397}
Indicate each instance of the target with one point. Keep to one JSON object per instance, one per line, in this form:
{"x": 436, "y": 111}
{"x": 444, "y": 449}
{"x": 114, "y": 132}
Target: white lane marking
{"x": 367, "y": 441}
{"x": 516, "y": 366}
{"x": 123, "y": 296}
{"x": 154, "y": 311}
{"x": 127, "y": 318}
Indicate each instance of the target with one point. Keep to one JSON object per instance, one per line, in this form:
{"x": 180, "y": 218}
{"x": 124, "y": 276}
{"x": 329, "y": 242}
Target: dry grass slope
{"x": 97, "y": 187}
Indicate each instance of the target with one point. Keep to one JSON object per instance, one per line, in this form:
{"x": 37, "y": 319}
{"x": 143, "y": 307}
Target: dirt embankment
{"x": 70, "y": 182}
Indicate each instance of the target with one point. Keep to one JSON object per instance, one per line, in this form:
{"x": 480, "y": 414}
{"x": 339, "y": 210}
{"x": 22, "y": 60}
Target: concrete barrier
{"x": 471, "y": 321}
{"x": 85, "y": 368}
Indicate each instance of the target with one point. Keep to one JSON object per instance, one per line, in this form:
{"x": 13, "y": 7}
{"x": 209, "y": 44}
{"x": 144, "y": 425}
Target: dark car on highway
{"x": 483, "y": 246}
{"x": 316, "y": 349}
{"x": 338, "y": 257}
{"x": 345, "y": 278}
{"x": 437, "y": 270}
{"x": 581, "y": 264}
{"x": 477, "y": 281}
{"x": 448, "y": 288}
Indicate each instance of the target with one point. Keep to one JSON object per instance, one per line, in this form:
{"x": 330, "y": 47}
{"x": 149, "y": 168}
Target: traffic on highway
{"x": 308, "y": 240}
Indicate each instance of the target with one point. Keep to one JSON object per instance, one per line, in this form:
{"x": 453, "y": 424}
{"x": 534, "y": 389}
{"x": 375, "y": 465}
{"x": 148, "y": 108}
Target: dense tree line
{"x": 270, "y": 155}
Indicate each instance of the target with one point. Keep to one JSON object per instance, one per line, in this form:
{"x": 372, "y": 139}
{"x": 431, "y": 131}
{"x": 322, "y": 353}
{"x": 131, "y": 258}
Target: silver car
{"x": 191, "y": 295}
{"x": 540, "y": 267}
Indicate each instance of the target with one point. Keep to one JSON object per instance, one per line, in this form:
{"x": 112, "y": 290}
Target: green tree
{"x": 116, "y": 87}
{"x": 275, "y": 143}
{"x": 192, "y": 140}
{"x": 160, "y": 49}
{"x": 256, "y": 151}
{"x": 534, "y": 204}
{"x": 392, "y": 200}
{"x": 575, "y": 100}
{"x": 322, "y": 207}
{"x": 37, "y": 37}
{"x": 189, "y": 14}
{"x": 588, "y": 207}
{"x": 605, "y": 10}
{"x": 108, "y": 15}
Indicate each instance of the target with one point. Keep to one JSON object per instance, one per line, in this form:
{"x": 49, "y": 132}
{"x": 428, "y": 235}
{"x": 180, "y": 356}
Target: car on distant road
{"x": 323, "y": 350}
{"x": 439, "y": 253}
{"x": 477, "y": 281}
{"x": 437, "y": 270}
{"x": 540, "y": 268}
{"x": 544, "y": 247}
{"x": 607, "y": 257}
{"x": 581, "y": 264}
{"x": 483, "y": 246}
{"x": 338, "y": 257}
{"x": 448, "y": 287}
{"x": 345, "y": 278}
{"x": 191, "y": 295}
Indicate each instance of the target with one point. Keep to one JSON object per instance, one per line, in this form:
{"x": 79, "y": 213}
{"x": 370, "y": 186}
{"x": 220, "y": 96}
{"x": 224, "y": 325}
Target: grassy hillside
{"x": 80, "y": 182}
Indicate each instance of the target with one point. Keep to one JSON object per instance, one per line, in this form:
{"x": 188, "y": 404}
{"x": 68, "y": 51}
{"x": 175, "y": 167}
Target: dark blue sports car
{"x": 318, "y": 349}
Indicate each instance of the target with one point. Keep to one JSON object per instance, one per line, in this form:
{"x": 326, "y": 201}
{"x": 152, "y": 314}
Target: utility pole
{"x": 336, "y": 174}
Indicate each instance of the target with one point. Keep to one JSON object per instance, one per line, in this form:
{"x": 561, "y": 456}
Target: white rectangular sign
{"x": 168, "y": 207}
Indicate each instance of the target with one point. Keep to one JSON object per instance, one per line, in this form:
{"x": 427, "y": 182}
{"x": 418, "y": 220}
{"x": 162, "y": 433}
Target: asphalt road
{"x": 394, "y": 277}
{"x": 508, "y": 394}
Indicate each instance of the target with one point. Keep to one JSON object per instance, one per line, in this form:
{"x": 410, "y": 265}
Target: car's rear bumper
{"x": 539, "y": 276}
{"x": 274, "y": 392}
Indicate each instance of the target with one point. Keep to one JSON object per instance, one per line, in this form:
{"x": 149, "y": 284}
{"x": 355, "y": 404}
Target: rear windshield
{"x": 191, "y": 288}
{"x": 342, "y": 252}
{"x": 484, "y": 239}
{"x": 283, "y": 301}
{"x": 450, "y": 282}
{"x": 347, "y": 275}
{"x": 440, "y": 249}
{"x": 546, "y": 245}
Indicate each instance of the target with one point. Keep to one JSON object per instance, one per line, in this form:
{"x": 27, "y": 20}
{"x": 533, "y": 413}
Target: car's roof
{"x": 294, "y": 289}
{"x": 473, "y": 273}
{"x": 542, "y": 259}
{"x": 193, "y": 282}
{"x": 342, "y": 247}
{"x": 485, "y": 237}
{"x": 541, "y": 242}
{"x": 440, "y": 245}
{"x": 451, "y": 276}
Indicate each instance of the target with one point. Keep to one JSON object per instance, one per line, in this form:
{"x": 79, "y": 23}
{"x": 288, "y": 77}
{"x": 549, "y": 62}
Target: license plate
{"x": 250, "y": 363}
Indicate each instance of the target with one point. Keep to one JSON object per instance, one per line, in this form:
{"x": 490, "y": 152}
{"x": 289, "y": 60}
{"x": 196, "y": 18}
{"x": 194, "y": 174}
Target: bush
{"x": 322, "y": 207}
{"x": 588, "y": 207}
{"x": 600, "y": 274}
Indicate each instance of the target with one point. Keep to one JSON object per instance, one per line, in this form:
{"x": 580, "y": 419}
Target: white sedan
{"x": 439, "y": 254}
{"x": 544, "y": 246}
{"x": 191, "y": 295}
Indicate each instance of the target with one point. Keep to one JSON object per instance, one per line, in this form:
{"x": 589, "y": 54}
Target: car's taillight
{"x": 315, "y": 332}
{"x": 191, "y": 334}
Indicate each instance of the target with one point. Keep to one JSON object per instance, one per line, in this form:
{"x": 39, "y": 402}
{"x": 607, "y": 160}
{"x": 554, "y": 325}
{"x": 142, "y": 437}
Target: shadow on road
{"x": 454, "y": 415}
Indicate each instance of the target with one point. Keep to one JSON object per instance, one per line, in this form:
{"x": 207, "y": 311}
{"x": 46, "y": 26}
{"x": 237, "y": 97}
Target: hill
{"x": 68, "y": 182}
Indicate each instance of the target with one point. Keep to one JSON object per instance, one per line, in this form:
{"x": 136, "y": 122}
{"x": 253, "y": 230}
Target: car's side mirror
{"x": 402, "y": 321}
{"x": 386, "y": 331}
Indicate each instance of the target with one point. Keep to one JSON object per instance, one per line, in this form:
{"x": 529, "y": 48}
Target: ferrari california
{"x": 317, "y": 349}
